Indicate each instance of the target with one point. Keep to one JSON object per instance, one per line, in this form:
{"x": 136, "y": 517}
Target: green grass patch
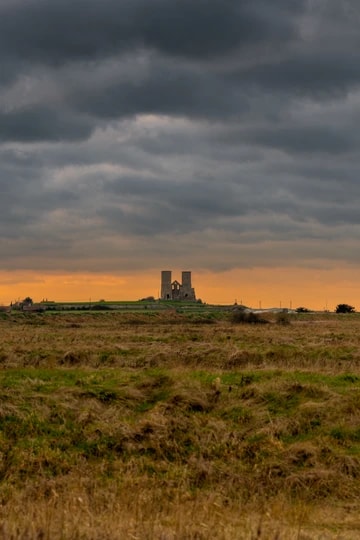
{"x": 344, "y": 434}
{"x": 280, "y": 403}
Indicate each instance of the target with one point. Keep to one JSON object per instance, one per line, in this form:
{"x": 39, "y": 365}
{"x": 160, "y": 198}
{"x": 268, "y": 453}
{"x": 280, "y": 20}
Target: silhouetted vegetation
{"x": 344, "y": 308}
{"x": 100, "y": 306}
{"x": 241, "y": 316}
{"x": 283, "y": 318}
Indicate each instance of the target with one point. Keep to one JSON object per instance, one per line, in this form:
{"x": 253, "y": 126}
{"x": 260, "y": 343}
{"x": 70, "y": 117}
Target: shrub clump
{"x": 302, "y": 309}
{"x": 247, "y": 317}
{"x": 344, "y": 308}
{"x": 283, "y": 318}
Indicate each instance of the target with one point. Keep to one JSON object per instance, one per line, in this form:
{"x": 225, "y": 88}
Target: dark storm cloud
{"x": 317, "y": 73}
{"x": 39, "y": 123}
{"x": 207, "y": 60}
{"x": 24, "y": 197}
{"x": 172, "y": 206}
{"x": 304, "y": 140}
{"x": 64, "y": 30}
{"x": 128, "y": 127}
{"x": 163, "y": 88}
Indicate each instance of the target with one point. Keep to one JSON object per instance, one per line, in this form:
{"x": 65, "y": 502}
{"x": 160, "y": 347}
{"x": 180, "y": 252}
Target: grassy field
{"x": 174, "y": 426}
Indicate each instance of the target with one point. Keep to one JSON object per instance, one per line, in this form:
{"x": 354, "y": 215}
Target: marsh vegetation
{"x": 179, "y": 427}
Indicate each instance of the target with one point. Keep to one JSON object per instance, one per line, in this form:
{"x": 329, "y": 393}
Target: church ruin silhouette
{"x": 174, "y": 290}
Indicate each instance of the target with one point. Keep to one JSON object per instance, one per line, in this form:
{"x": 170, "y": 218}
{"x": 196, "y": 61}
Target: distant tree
{"x": 27, "y": 301}
{"x": 344, "y": 308}
{"x": 302, "y": 309}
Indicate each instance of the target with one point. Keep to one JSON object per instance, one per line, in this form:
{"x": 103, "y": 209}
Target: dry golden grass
{"x": 163, "y": 426}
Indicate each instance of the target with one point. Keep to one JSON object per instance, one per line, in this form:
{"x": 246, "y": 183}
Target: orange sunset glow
{"x": 257, "y": 287}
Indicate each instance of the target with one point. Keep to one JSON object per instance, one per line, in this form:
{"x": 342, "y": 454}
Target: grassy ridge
{"x": 115, "y": 426}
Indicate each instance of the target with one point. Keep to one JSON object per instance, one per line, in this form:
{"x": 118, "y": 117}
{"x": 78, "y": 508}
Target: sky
{"x": 218, "y": 136}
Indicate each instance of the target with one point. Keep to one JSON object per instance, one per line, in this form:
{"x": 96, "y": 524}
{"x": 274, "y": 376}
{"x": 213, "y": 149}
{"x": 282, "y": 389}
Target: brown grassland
{"x": 170, "y": 426}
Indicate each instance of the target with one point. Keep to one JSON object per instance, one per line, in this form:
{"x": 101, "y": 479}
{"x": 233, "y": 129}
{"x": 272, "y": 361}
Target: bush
{"x": 100, "y": 307}
{"x": 302, "y": 309}
{"x": 344, "y": 308}
{"x": 247, "y": 317}
{"x": 283, "y": 318}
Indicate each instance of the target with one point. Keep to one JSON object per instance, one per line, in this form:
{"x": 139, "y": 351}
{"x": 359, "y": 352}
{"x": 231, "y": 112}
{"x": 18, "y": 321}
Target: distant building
{"x": 174, "y": 290}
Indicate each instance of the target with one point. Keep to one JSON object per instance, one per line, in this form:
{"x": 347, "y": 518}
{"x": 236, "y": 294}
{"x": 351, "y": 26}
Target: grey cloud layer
{"x": 59, "y": 31}
{"x": 128, "y": 127}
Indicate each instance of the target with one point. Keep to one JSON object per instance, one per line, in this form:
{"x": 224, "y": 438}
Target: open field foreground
{"x": 169, "y": 426}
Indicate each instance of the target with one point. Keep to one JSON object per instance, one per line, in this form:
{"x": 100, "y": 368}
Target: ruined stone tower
{"x": 174, "y": 290}
{"x": 187, "y": 291}
{"x": 166, "y": 285}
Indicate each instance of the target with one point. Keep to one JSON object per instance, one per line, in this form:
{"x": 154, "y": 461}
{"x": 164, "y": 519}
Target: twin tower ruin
{"x": 174, "y": 290}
